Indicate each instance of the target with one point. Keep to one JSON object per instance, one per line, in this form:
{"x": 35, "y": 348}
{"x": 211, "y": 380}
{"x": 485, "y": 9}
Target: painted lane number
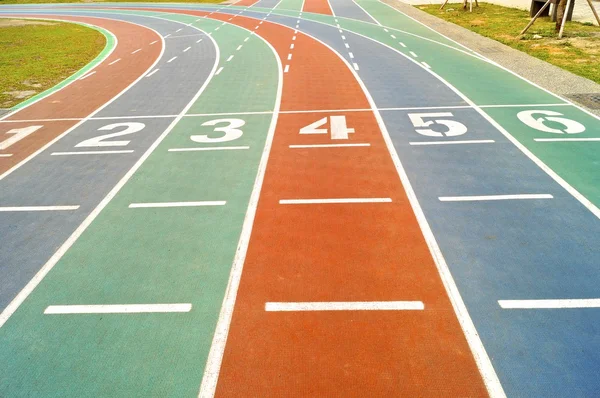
{"x": 570, "y": 126}
{"x": 18, "y": 135}
{"x": 230, "y": 131}
{"x": 453, "y": 128}
{"x": 130, "y": 128}
{"x": 337, "y": 125}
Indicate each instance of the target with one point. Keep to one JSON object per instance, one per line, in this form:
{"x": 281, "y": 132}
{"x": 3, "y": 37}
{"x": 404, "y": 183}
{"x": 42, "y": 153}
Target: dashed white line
{"x": 246, "y": 39}
{"x": 413, "y": 54}
{"x": 425, "y": 64}
{"x": 172, "y": 59}
{"x": 219, "y": 70}
{"x": 386, "y": 31}
{"x": 88, "y": 75}
{"x": 238, "y": 48}
{"x": 91, "y": 152}
{"x": 346, "y": 306}
{"x": 230, "y": 58}
{"x": 37, "y": 208}
{"x": 417, "y": 143}
{"x": 346, "y": 44}
{"x": 329, "y": 145}
{"x": 355, "y": 65}
{"x": 153, "y": 72}
{"x": 177, "y": 204}
{"x": 154, "y": 42}
{"x": 333, "y": 201}
{"x": 549, "y": 303}
{"x": 287, "y": 68}
{"x": 343, "y": 37}
{"x": 164, "y": 37}
{"x": 393, "y": 37}
{"x": 178, "y": 30}
{"x": 293, "y": 38}
{"x": 256, "y": 27}
{"x": 116, "y": 308}
{"x": 292, "y": 46}
{"x": 186, "y": 49}
{"x": 198, "y": 41}
{"x": 213, "y": 148}
{"x": 351, "y": 55}
{"x": 115, "y": 61}
{"x": 493, "y": 197}
{"x": 137, "y": 51}
{"x": 289, "y": 57}
{"x": 217, "y": 28}
{"x": 402, "y": 44}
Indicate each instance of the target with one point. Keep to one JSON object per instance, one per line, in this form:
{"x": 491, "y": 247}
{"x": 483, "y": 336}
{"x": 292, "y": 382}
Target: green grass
{"x": 578, "y": 52}
{"x": 40, "y": 54}
{"x": 103, "y": 1}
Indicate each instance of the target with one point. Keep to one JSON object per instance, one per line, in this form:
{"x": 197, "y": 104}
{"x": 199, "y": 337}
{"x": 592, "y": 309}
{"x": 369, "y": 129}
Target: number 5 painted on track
{"x": 454, "y": 128}
{"x": 231, "y": 131}
{"x": 18, "y": 135}
{"x": 571, "y": 126}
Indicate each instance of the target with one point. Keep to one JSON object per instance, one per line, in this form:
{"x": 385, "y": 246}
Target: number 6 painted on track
{"x": 231, "y": 131}
{"x": 571, "y": 126}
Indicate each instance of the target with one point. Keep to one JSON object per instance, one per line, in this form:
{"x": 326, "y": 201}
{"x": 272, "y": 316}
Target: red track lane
{"x": 82, "y": 97}
{"x": 246, "y": 3}
{"x": 317, "y": 6}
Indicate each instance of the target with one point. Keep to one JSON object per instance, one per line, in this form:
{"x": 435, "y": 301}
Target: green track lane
{"x": 150, "y": 256}
{"x": 292, "y": 5}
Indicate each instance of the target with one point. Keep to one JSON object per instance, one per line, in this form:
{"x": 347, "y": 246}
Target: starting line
{"x": 345, "y": 306}
{"x": 116, "y": 309}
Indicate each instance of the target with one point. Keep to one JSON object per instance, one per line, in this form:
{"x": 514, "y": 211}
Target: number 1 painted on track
{"x": 337, "y": 124}
{"x": 18, "y": 135}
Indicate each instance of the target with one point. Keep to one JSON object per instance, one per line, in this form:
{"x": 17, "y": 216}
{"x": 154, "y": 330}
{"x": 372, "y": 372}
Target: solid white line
{"x": 566, "y": 139}
{"x": 138, "y": 50}
{"x": 47, "y": 267}
{"x": 153, "y": 72}
{"x": 5, "y": 155}
{"x": 87, "y": 75}
{"x": 451, "y": 142}
{"x": 115, "y": 61}
{"x": 346, "y": 306}
{"x": 91, "y": 152}
{"x": 214, "y": 148}
{"x": 287, "y": 69}
{"x": 177, "y": 204}
{"x": 37, "y": 208}
{"x": 230, "y": 58}
{"x": 355, "y": 65}
{"x": 217, "y": 349}
{"x": 494, "y": 197}
{"x": 333, "y": 201}
{"x": 413, "y": 54}
{"x": 219, "y": 71}
{"x": 116, "y": 308}
{"x": 172, "y": 59}
{"x": 329, "y": 145}
{"x": 186, "y": 49}
{"x": 549, "y": 303}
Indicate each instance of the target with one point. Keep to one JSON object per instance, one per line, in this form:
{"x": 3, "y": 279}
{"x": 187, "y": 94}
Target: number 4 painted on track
{"x": 337, "y": 124}
{"x": 19, "y": 134}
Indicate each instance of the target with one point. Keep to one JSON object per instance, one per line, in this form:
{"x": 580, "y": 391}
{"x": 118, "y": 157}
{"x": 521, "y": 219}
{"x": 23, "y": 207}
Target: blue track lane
{"x": 349, "y": 9}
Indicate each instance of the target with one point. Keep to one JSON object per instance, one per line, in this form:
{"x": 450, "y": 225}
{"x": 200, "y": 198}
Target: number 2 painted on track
{"x": 230, "y": 132}
{"x": 454, "y": 128}
{"x": 130, "y": 128}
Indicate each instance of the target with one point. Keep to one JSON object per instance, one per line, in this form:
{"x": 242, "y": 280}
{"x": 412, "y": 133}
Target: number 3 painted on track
{"x": 231, "y": 131}
{"x": 571, "y": 126}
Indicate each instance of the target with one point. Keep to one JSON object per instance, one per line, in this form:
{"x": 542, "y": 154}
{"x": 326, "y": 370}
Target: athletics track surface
{"x": 295, "y": 198}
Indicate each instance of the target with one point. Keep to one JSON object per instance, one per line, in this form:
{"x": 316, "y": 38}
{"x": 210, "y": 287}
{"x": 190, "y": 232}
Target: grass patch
{"x": 578, "y": 52}
{"x": 36, "y": 55}
{"x": 103, "y": 1}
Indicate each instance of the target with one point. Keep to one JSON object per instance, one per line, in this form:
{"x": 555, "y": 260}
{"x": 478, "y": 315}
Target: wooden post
{"x": 594, "y": 11}
{"x": 443, "y": 5}
{"x": 564, "y": 20}
{"x": 536, "y": 17}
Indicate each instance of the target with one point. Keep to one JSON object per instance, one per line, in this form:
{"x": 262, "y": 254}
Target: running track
{"x": 304, "y": 198}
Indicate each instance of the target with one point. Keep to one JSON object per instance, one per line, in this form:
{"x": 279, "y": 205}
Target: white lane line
{"x": 230, "y": 58}
{"x": 416, "y": 143}
{"x": 238, "y": 47}
{"x": 178, "y": 30}
{"x": 256, "y": 27}
{"x": 549, "y": 303}
{"x": 329, "y": 145}
{"x": 136, "y": 51}
{"x": 177, "y": 204}
{"x": 116, "y": 308}
{"x": 425, "y": 64}
{"x": 5, "y": 155}
{"x": 219, "y": 70}
{"x": 351, "y": 55}
{"x": 91, "y": 152}
{"x": 346, "y": 44}
{"x": 386, "y": 31}
{"x": 293, "y": 38}
{"x": 217, "y": 28}
{"x": 341, "y": 31}
{"x": 295, "y": 31}
{"x": 37, "y": 208}
{"x": 261, "y": 22}
{"x": 214, "y": 148}
{"x": 393, "y": 37}
{"x": 289, "y": 57}
{"x": 402, "y": 44}
{"x": 292, "y": 46}
{"x": 494, "y": 197}
{"x": 88, "y": 75}
{"x": 333, "y": 201}
{"x": 413, "y": 54}
{"x": 346, "y": 306}
{"x": 355, "y": 65}
{"x": 566, "y": 139}
{"x": 287, "y": 69}
{"x": 172, "y": 59}
{"x": 343, "y": 37}
{"x": 186, "y": 49}
{"x": 164, "y": 37}
{"x": 154, "y": 42}
{"x": 153, "y": 72}
{"x": 522, "y": 105}
{"x": 115, "y": 61}
{"x": 198, "y": 41}
{"x": 246, "y": 39}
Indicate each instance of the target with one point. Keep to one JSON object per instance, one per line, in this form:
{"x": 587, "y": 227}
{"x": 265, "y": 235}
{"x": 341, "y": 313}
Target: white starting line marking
{"x": 329, "y": 145}
{"x": 413, "y": 54}
{"x": 329, "y": 201}
{"x": 214, "y": 148}
{"x": 88, "y": 75}
{"x": 116, "y": 308}
{"x": 219, "y": 71}
{"x": 565, "y": 139}
{"x": 91, "y": 152}
{"x": 186, "y": 49}
{"x": 493, "y": 197}
{"x": 177, "y": 204}
{"x": 346, "y": 306}
{"x": 115, "y": 61}
{"x": 451, "y": 142}
{"x": 136, "y": 51}
{"x": 5, "y": 155}
{"x": 287, "y": 69}
{"x": 153, "y": 72}
{"x": 230, "y": 58}
{"x": 37, "y": 208}
{"x": 549, "y": 304}
{"x": 172, "y": 59}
